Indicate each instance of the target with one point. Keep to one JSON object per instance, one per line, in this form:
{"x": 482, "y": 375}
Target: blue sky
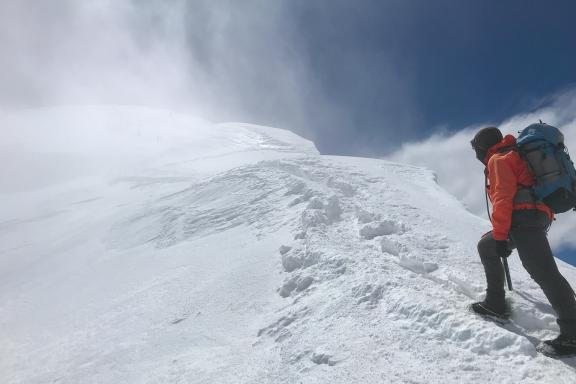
{"x": 423, "y": 65}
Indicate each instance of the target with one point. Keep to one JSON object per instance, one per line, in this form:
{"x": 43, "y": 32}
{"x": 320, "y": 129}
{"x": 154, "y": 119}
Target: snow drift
{"x": 144, "y": 246}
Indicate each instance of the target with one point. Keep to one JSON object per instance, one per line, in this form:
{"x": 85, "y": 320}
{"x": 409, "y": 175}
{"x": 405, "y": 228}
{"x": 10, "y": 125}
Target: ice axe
{"x": 511, "y": 246}
{"x": 507, "y": 272}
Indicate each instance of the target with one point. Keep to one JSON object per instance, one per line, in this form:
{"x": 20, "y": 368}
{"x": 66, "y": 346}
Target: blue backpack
{"x": 542, "y": 146}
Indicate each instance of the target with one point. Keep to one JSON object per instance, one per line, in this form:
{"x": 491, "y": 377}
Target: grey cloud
{"x": 217, "y": 59}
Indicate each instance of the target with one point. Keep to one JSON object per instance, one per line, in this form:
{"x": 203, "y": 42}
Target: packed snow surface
{"x": 144, "y": 246}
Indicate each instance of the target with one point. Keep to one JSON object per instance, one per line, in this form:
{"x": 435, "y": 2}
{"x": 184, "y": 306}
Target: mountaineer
{"x": 520, "y": 220}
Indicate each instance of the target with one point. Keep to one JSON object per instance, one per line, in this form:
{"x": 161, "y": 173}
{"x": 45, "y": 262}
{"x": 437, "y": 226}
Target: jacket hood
{"x": 507, "y": 141}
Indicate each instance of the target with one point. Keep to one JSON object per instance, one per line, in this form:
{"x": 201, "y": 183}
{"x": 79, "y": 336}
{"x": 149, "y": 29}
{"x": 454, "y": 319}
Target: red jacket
{"x": 507, "y": 172}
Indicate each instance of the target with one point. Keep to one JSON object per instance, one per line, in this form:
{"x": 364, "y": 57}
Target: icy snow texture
{"x": 143, "y": 246}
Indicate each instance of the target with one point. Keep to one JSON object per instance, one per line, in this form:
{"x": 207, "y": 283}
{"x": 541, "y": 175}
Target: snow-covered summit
{"x": 143, "y": 246}
{"x": 54, "y": 145}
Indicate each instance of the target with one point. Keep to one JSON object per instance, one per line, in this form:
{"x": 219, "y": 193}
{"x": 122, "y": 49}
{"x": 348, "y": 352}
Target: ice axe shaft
{"x": 507, "y": 272}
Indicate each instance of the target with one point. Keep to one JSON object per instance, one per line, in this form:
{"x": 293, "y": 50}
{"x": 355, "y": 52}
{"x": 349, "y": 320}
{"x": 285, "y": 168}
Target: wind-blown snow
{"x": 143, "y": 246}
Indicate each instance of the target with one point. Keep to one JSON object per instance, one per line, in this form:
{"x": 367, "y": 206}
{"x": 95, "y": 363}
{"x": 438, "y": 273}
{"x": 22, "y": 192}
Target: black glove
{"x": 502, "y": 248}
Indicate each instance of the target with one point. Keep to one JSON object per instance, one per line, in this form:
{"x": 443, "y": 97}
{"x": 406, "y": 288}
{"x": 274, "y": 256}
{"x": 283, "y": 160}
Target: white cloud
{"x": 69, "y": 52}
{"x": 452, "y": 158}
{"x": 217, "y": 59}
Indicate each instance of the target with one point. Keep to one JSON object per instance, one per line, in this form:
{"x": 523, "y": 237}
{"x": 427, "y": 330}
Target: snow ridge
{"x": 381, "y": 286}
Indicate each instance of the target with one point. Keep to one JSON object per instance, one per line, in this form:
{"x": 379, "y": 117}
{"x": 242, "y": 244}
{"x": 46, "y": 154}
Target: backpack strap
{"x": 508, "y": 148}
{"x": 486, "y": 187}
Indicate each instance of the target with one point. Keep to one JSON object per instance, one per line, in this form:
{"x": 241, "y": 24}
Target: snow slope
{"x": 143, "y": 246}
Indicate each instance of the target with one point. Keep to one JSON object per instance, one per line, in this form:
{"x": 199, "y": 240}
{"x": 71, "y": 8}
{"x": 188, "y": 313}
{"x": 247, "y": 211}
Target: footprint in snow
{"x": 306, "y": 196}
{"x": 417, "y": 266}
{"x": 365, "y": 217}
{"x": 330, "y": 208}
{"x": 322, "y": 358}
{"x": 278, "y": 328}
{"x": 383, "y": 228}
{"x": 432, "y": 247}
{"x": 293, "y": 259}
{"x": 295, "y": 284}
{"x": 296, "y": 188}
{"x": 369, "y": 294}
{"x": 343, "y": 187}
{"x": 319, "y": 212}
{"x": 390, "y": 247}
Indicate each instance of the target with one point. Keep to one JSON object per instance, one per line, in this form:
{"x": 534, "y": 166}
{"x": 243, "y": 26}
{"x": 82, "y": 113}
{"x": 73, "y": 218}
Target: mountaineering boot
{"x": 562, "y": 346}
{"x": 484, "y": 310}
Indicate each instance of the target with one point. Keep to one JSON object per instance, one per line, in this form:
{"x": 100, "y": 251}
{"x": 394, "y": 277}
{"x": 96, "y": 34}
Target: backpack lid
{"x": 540, "y": 132}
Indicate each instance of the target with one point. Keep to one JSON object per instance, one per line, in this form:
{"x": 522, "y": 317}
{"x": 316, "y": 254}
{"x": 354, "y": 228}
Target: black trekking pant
{"x": 528, "y": 234}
